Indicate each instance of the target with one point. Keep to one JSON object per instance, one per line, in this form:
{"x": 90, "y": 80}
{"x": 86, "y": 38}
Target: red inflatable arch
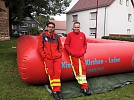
{"x": 102, "y": 57}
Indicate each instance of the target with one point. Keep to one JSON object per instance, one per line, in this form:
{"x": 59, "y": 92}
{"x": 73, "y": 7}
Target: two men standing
{"x": 50, "y": 49}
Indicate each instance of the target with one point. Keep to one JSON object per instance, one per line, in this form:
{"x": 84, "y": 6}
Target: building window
{"x": 128, "y": 31}
{"x": 127, "y": 3}
{"x": 92, "y": 31}
{"x": 33, "y": 25}
{"x": 14, "y": 27}
{"x": 75, "y": 18}
{"x": 121, "y": 2}
{"x": 93, "y": 15}
{"x": 24, "y": 25}
{"x": 129, "y": 17}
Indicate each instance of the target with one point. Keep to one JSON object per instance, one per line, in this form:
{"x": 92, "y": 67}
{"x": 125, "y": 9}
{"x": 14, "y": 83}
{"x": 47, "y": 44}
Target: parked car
{"x": 17, "y": 34}
{"x": 61, "y": 35}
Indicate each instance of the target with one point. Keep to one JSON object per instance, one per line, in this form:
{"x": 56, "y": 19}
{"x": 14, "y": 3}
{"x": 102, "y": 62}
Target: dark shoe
{"x": 60, "y": 95}
{"x": 86, "y": 91}
{"x": 56, "y": 97}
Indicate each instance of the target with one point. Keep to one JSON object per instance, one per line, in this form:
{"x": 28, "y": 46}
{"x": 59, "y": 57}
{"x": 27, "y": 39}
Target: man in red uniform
{"x": 50, "y": 49}
{"x": 76, "y": 45}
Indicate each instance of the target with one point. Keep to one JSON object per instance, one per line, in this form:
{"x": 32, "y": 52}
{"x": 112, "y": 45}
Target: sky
{"x": 62, "y": 17}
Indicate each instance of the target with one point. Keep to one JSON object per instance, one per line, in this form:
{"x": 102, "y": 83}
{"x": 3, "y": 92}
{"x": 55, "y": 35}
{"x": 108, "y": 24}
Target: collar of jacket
{"x": 50, "y": 36}
{"x": 76, "y": 33}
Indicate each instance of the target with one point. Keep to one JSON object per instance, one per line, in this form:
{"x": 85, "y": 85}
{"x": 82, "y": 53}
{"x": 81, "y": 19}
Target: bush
{"x": 118, "y": 38}
{"x": 33, "y": 31}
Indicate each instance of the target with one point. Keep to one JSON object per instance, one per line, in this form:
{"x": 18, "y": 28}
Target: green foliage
{"x": 118, "y": 38}
{"x": 16, "y": 10}
{"x": 19, "y": 9}
{"x": 13, "y": 88}
{"x": 42, "y": 20}
{"x": 33, "y": 31}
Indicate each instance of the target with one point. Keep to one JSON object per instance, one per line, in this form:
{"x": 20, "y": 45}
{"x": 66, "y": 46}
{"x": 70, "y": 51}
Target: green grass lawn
{"x": 13, "y": 88}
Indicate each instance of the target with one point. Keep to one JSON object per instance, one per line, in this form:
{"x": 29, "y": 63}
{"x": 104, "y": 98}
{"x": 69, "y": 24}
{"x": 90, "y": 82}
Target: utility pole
{"x": 96, "y": 19}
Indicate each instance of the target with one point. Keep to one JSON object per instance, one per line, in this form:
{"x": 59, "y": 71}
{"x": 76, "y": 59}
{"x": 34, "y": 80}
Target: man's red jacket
{"x": 75, "y": 44}
{"x": 52, "y": 46}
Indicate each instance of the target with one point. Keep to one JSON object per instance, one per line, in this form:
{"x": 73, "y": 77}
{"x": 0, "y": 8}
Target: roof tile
{"x": 59, "y": 25}
{"x": 89, "y": 4}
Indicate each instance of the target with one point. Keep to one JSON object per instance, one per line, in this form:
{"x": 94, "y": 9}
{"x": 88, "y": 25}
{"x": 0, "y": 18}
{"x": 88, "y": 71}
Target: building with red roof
{"x": 102, "y": 17}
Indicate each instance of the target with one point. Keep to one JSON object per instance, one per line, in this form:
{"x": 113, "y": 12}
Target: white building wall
{"x": 111, "y": 19}
{"x": 69, "y": 23}
{"x": 101, "y": 22}
{"x": 117, "y": 18}
{"x": 86, "y": 22}
{"x": 83, "y": 18}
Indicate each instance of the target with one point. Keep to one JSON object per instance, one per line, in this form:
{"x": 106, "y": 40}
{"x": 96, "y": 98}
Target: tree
{"x": 19, "y": 9}
{"x": 43, "y": 20}
{"x": 33, "y": 31}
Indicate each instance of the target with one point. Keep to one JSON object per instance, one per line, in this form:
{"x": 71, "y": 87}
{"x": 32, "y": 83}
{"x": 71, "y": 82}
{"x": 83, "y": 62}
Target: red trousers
{"x": 53, "y": 69}
{"x": 80, "y": 70}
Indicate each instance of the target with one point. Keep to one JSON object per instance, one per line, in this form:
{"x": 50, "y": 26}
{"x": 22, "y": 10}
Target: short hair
{"x": 76, "y": 22}
{"x": 51, "y": 23}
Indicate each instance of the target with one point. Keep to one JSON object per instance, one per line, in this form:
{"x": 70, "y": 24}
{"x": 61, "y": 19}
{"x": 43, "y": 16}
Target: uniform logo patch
{"x": 80, "y": 37}
{"x": 46, "y": 39}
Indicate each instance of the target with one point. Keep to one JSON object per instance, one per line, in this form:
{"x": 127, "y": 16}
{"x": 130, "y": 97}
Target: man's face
{"x": 76, "y": 28}
{"x": 50, "y": 28}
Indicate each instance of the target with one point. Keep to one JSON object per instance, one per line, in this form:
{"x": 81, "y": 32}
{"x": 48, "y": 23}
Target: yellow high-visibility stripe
{"x": 80, "y": 67}
{"x": 56, "y": 80}
{"x": 46, "y": 70}
{"x": 45, "y": 67}
{"x": 72, "y": 65}
{"x": 56, "y": 84}
{"x": 51, "y": 81}
{"x": 81, "y": 79}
